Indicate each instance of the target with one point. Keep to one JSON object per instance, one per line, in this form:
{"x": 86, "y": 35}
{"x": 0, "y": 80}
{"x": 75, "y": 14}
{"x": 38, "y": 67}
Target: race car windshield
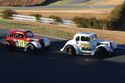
{"x": 85, "y": 38}
{"x": 29, "y": 34}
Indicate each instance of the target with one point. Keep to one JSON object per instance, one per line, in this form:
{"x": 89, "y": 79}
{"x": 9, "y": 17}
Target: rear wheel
{"x": 70, "y": 50}
{"x": 101, "y": 52}
{"x": 30, "y": 48}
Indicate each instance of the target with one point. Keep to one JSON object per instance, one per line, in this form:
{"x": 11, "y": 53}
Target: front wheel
{"x": 30, "y": 48}
{"x": 70, "y": 50}
{"x": 102, "y": 52}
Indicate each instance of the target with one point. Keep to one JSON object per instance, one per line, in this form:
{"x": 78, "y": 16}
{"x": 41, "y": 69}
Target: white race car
{"x": 85, "y": 43}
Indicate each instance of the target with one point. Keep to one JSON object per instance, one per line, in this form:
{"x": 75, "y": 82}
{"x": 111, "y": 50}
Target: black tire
{"x": 101, "y": 52}
{"x": 30, "y": 48}
{"x": 70, "y": 50}
{"x": 8, "y": 46}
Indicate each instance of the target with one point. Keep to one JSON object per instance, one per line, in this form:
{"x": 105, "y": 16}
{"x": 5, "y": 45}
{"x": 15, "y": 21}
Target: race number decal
{"x": 86, "y": 46}
{"x": 21, "y": 43}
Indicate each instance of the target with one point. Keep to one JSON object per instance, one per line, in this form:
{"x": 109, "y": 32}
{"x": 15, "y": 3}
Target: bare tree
{"x": 11, "y": 2}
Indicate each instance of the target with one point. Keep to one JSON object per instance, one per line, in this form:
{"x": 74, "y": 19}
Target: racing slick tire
{"x": 70, "y": 50}
{"x": 102, "y": 52}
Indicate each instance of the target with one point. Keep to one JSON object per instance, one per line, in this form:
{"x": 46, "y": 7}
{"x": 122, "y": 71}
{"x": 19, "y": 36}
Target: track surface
{"x": 55, "y": 67}
{"x": 68, "y": 6}
{"x": 79, "y": 1}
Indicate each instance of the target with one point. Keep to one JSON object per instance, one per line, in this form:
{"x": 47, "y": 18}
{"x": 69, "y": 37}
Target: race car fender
{"x": 36, "y": 44}
{"x": 75, "y": 47}
{"x": 108, "y": 48}
{"x": 46, "y": 42}
{"x": 113, "y": 45}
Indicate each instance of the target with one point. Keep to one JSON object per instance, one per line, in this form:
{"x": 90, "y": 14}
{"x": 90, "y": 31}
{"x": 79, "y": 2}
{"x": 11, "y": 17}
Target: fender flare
{"x": 108, "y": 48}
{"x": 46, "y": 42}
{"x": 5, "y": 43}
{"x": 114, "y": 45}
{"x": 36, "y": 44}
{"x": 75, "y": 47}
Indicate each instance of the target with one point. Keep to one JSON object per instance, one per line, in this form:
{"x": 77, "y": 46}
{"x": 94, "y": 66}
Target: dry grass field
{"x": 60, "y": 31}
{"x": 69, "y": 14}
{"x": 19, "y": 2}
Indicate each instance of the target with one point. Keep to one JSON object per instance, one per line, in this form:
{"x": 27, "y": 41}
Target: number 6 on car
{"x": 25, "y": 40}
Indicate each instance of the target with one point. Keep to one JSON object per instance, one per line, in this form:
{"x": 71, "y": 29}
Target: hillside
{"x": 20, "y": 2}
{"x": 25, "y": 2}
{"x": 58, "y": 2}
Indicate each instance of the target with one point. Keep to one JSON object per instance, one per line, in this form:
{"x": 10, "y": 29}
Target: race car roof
{"x": 17, "y": 31}
{"x": 85, "y": 34}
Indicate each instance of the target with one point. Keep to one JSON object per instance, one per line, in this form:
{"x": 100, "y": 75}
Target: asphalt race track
{"x": 54, "y": 67}
{"x": 68, "y": 6}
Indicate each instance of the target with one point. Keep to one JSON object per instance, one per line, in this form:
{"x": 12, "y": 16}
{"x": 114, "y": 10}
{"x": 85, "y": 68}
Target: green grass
{"x": 52, "y": 32}
{"x": 94, "y": 1}
{"x": 59, "y": 31}
{"x": 40, "y": 8}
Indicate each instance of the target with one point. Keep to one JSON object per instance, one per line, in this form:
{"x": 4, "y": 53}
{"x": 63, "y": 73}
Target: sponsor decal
{"x": 86, "y": 46}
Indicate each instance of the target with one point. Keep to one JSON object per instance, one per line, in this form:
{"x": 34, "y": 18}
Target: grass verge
{"x": 8, "y": 24}
{"x": 60, "y": 31}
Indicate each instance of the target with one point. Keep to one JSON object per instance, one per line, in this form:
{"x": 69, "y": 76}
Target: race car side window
{"x": 11, "y": 35}
{"x": 77, "y": 38}
{"x": 85, "y": 38}
{"x": 19, "y": 36}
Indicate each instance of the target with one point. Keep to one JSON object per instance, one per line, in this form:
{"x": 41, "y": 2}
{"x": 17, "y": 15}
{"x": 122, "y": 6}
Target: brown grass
{"x": 117, "y": 36}
{"x": 19, "y": 2}
{"x": 69, "y": 14}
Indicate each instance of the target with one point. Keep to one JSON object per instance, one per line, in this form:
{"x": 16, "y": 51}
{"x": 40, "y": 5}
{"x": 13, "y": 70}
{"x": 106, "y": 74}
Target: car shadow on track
{"x": 57, "y": 45}
{"x": 53, "y": 53}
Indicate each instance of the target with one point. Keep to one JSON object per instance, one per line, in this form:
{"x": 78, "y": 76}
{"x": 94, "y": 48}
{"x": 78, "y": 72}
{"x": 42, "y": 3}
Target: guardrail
{"x": 22, "y": 17}
{"x": 42, "y": 19}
